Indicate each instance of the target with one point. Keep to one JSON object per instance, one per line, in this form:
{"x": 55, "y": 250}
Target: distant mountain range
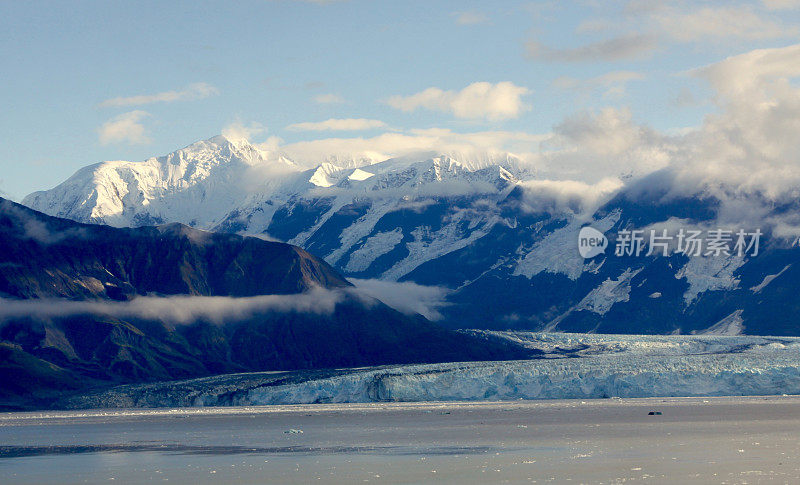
{"x": 86, "y": 306}
{"x": 499, "y": 240}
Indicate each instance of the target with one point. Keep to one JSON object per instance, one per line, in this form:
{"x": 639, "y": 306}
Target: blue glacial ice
{"x": 575, "y": 366}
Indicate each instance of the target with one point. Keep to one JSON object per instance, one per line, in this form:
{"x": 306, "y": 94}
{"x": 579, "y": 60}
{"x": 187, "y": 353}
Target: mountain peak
{"x": 222, "y": 140}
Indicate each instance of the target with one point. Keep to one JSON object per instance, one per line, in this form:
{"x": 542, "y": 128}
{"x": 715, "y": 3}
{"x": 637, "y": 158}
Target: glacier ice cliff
{"x": 576, "y": 366}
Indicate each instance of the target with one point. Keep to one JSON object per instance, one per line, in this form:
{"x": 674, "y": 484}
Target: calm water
{"x": 722, "y": 440}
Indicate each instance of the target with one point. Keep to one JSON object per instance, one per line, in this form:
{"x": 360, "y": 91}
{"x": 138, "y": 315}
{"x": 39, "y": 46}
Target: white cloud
{"x": 753, "y": 73}
{"x": 36, "y": 229}
{"x": 406, "y": 297}
{"x": 179, "y": 309}
{"x": 126, "y": 127}
{"x": 559, "y": 196}
{"x": 396, "y": 144}
{"x": 675, "y": 22}
{"x": 748, "y": 145}
{"x": 191, "y": 92}
{"x": 625, "y": 47}
{"x": 752, "y": 142}
{"x": 333, "y": 124}
{"x": 328, "y": 99}
{"x": 470, "y": 18}
{"x": 592, "y": 145}
{"x": 478, "y": 100}
{"x": 610, "y": 131}
{"x": 239, "y": 131}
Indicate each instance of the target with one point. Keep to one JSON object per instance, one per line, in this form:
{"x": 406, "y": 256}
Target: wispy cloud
{"x": 485, "y": 100}
{"x": 178, "y": 309}
{"x": 126, "y": 127}
{"x": 191, "y": 92}
{"x": 36, "y": 229}
{"x": 333, "y": 124}
{"x": 625, "y": 47}
{"x": 239, "y": 131}
{"x": 720, "y": 22}
{"x": 328, "y": 99}
{"x": 782, "y": 4}
{"x": 396, "y": 144}
{"x": 406, "y": 297}
{"x": 612, "y": 83}
{"x": 686, "y": 22}
{"x": 470, "y": 18}
{"x": 563, "y": 196}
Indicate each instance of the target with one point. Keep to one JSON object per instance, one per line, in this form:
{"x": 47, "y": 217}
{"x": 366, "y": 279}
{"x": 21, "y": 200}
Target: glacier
{"x": 573, "y": 366}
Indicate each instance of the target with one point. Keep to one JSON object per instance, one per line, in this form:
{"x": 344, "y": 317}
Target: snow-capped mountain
{"x": 502, "y": 242}
{"x": 197, "y": 185}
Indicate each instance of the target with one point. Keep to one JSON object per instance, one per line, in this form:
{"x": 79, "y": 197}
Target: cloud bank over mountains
{"x": 747, "y": 144}
{"x": 177, "y": 309}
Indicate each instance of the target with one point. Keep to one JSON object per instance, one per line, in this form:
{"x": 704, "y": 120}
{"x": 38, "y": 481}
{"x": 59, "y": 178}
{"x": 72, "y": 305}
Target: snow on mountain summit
{"x": 194, "y": 185}
{"x": 212, "y": 180}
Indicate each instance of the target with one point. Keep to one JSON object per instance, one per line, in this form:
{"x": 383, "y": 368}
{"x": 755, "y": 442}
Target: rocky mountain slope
{"x": 89, "y": 305}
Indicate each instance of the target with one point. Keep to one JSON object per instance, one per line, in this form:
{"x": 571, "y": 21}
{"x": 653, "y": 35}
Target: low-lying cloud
{"x": 34, "y": 228}
{"x": 178, "y": 309}
{"x": 568, "y": 196}
{"x": 416, "y": 141}
{"x": 409, "y": 298}
{"x": 406, "y": 297}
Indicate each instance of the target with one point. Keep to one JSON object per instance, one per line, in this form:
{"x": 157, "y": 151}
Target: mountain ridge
{"x": 90, "y": 306}
{"x": 494, "y": 229}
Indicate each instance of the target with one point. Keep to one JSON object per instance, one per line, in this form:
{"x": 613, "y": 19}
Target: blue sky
{"x": 90, "y": 81}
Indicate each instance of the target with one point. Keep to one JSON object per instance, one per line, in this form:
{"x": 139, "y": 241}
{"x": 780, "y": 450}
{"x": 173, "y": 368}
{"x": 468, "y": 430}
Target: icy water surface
{"x": 694, "y": 440}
